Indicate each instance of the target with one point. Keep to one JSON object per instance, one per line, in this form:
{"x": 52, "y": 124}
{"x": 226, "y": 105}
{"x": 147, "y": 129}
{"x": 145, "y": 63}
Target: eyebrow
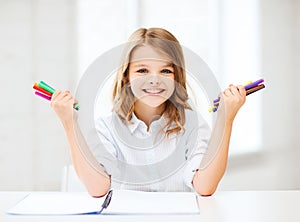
{"x": 144, "y": 65}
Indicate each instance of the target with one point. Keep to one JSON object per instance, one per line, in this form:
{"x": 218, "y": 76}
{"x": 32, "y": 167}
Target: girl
{"x": 150, "y": 98}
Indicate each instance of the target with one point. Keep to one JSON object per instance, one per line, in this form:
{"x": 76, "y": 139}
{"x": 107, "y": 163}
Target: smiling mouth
{"x": 154, "y": 91}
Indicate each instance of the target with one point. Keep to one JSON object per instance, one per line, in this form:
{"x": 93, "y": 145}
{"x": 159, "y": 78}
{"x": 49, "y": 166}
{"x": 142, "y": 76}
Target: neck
{"x": 147, "y": 113}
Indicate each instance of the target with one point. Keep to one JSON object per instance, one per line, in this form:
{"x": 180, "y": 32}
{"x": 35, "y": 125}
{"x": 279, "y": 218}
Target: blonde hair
{"x": 166, "y": 44}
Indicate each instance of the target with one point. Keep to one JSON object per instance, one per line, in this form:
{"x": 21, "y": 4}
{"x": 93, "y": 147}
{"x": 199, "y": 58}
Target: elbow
{"x": 98, "y": 190}
{"x": 205, "y": 191}
{"x": 205, "y": 186}
{"x": 98, "y": 193}
{"x": 98, "y": 187}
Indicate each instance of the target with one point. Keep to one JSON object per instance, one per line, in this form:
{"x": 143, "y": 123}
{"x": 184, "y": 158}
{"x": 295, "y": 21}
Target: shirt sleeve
{"x": 197, "y": 143}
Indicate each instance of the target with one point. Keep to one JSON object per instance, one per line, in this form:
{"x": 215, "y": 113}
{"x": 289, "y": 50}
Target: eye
{"x": 166, "y": 71}
{"x": 142, "y": 71}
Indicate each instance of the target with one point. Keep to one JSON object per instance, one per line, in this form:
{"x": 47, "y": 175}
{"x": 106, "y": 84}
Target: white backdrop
{"x": 55, "y": 40}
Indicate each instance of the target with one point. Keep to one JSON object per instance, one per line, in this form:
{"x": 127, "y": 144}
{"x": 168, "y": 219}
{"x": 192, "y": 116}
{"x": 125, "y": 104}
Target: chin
{"x": 154, "y": 102}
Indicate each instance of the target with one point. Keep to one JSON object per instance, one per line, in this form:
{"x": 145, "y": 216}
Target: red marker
{"x": 35, "y": 86}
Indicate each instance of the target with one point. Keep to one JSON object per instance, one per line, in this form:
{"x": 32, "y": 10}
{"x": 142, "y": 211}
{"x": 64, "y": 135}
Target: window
{"x": 238, "y": 63}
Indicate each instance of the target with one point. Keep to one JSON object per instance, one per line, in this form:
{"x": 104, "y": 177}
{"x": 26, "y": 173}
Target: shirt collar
{"x": 137, "y": 123}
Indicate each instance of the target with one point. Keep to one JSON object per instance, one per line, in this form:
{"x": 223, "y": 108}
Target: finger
{"x": 63, "y": 102}
{"x": 67, "y": 98}
{"x": 56, "y": 94}
{"x": 227, "y": 92}
{"x": 62, "y": 95}
{"x": 66, "y": 93}
{"x": 242, "y": 90}
{"x": 234, "y": 90}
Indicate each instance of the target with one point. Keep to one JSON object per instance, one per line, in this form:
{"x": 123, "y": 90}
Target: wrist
{"x": 68, "y": 125}
{"x": 225, "y": 119}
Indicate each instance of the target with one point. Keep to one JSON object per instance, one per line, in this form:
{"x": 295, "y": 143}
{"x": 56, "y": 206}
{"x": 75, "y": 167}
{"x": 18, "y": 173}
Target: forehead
{"x": 144, "y": 53}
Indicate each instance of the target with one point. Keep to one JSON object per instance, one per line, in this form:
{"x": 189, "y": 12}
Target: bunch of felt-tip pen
{"x": 45, "y": 91}
{"x": 250, "y": 88}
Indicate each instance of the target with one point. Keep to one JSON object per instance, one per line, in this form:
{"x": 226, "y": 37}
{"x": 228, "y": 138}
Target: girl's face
{"x": 151, "y": 76}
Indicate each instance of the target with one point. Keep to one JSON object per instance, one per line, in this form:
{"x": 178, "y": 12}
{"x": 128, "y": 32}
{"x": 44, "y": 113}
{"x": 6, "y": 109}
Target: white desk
{"x": 223, "y": 206}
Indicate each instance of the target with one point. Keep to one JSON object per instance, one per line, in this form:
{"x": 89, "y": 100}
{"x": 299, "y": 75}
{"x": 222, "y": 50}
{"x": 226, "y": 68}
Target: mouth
{"x": 154, "y": 91}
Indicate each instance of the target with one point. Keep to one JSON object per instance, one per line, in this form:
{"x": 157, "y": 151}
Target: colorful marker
{"x": 254, "y": 89}
{"x": 250, "y": 88}
{"x": 248, "y": 92}
{"x": 36, "y": 87}
{"x": 247, "y": 84}
{"x": 256, "y": 83}
{"x": 45, "y": 91}
{"x": 46, "y": 87}
{"x": 43, "y": 96}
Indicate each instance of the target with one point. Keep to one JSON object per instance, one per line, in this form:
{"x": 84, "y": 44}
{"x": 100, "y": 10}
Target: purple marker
{"x": 249, "y": 86}
{"x": 43, "y": 95}
{"x": 217, "y": 100}
{"x": 256, "y": 83}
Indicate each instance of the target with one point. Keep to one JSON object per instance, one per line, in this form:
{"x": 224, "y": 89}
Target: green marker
{"x": 46, "y": 87}
{"x": 76, "y": 106}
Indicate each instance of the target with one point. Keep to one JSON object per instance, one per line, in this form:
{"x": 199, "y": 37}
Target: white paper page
{"x": 122, "y": 202}
{"x": 138, "y": 202}
{"x": 57, "y": 203}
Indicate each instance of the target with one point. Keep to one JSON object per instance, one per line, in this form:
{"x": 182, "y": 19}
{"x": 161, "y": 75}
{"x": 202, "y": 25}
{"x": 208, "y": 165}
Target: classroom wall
{"x": 38, "y": 41}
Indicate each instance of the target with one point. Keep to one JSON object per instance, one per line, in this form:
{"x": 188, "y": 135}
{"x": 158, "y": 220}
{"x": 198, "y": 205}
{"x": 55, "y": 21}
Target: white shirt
{"x": 147, "y": 160}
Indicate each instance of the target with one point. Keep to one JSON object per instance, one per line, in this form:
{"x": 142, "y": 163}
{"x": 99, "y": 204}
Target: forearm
{"x": 96, "y": 183}
{"x": 213, "y": 165}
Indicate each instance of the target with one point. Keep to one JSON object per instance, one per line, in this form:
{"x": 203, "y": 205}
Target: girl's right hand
{"x": 62, "y": 103}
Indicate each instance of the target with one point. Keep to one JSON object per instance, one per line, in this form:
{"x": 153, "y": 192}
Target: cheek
{"x": 169, "y": 83}
{"x": 136, "y": 86}
{"x": 171, "y": 88}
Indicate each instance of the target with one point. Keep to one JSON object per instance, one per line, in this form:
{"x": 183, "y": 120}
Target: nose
{"x": 154, "y": 80}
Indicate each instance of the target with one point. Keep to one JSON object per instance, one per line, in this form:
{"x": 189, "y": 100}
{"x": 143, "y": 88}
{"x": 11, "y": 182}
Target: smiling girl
{"x": 150, "y": 99}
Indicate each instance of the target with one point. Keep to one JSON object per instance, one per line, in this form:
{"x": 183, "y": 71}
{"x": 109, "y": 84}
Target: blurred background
{"x": 240, "y": 40}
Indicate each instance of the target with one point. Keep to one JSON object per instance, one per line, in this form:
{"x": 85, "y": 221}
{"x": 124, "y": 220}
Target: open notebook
{"x": 124, "y": 202}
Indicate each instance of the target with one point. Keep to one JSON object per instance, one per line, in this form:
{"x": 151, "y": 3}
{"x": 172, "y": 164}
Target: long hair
{"x": 166, "y": 44}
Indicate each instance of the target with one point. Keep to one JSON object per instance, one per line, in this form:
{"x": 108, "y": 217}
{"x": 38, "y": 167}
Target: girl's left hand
{"x": 231, "y": 100}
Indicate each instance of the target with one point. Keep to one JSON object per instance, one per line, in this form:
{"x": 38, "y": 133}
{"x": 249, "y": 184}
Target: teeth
{"x": 154, "y": 91}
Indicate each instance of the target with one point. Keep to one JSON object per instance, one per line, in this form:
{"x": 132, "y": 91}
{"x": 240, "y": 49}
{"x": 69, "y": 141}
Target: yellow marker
{"x": 247, "y": 83}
